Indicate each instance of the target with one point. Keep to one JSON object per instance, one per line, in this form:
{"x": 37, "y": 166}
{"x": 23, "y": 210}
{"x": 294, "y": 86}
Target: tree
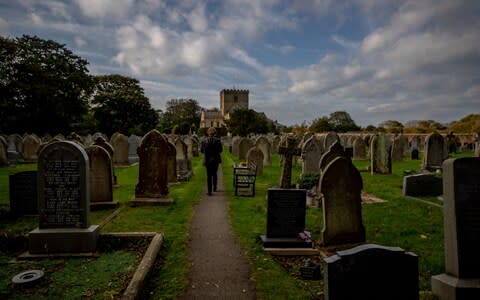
{"x": 119, "y": 104}
{"x": 321, "y": 125}
{"x": 468, "y": 124}
{"x": 392, "y": 126}
{"x": 181, "y": 112}
{"x": 42, "y": 82}
{"x": 342, "y": 122}
{"x": 423, "y": 126}
{"x": 245, "y": 121}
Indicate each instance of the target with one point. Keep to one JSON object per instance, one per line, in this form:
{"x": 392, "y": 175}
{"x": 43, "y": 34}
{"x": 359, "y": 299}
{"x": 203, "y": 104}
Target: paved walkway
{"x": 219, "y": 267}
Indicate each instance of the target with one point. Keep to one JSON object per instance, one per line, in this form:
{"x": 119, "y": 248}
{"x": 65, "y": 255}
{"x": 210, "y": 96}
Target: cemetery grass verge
{"x": 412, "y": 225}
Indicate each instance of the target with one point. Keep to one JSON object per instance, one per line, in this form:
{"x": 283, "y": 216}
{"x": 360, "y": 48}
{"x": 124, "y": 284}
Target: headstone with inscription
{"x": 341, "y": 186}
{"x": 152, "y": 188}
{"x": 433, "y": 153}
{"x": 359, "y": 149}
{"x": 256, "y": 155}
{"x": 133, "y": 142}
{"x": 380, "y": 155}
{"x": 31, "y": 144}
{"x": 311, "y": 153}
{"x": 285, "y": 219}
{"x": 63, "y": 185}
{"x": 23, "y": 193}
{"x": 264, "y": 145}
{"x": 397, "y": 149}
{"x": 243, "y": 146}
{"x": 461, "y": 211}
{"x": 372, "y": 272}
{"x": 120, "y": 153}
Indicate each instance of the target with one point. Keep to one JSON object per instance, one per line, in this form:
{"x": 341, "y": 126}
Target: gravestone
{"x": 288, "y": 152}
{"x": 30, "y": 148}
{"x": 285, "y": 219}
{"x": 422, "y": 185}
{"x": 14, "y": 150}
{"x": 63, "y": 183}
{"x": 335, "y": 150}
{"x": 414, "y": 155}
{"x": 23, "y": 193}
{"x": 329, "y": 139}
{"x": 3, "y": 152}
{"x": 380, "y": 156}
{"x": 102, "y": 142}
{"x": 101, "y": 195}
{"x": 397, "y": 149}
{"x": 311, "y": 154}
{"x": 120, "y": 147}
{"x": 18, "y": 141}
{"x": 88, "y": 140}
{"x": 461, "y": 212}
{"x": 172, "y": 176}
{"x": 433, "y": 153}
{"x": 341, "y": 186}
{"x": 264, "y": 145}
{"x": 184, "y": 166}
{"x": 189, "y": 142}
{"x": 133, "y": 142}
{"x": 243, "y": 146}
{"x": 152, "y": 179}
{"x": 372, "y": 272}
{"x": 235, "y": 144}
{"x": 256, "y": 155}
{"x": 195, "y": 146}
{"x": 275, "y": 142}
{"x": 359, "y": 149}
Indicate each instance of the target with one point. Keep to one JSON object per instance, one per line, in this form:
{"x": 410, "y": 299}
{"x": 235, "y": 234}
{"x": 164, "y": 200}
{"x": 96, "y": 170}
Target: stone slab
{"x": 454, "y": 288}
{"x": 422, "y": 185}
{"x": 284, "y": 242}
{"x": 151, "y": 201}
{"x": 63, "y": 240}
{"x": 103, "y": 205}
{"x": 291, "y": 251}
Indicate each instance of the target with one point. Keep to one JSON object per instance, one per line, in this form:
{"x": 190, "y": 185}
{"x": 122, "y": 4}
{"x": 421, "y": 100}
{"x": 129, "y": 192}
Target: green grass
{"x": 105, "y": 277}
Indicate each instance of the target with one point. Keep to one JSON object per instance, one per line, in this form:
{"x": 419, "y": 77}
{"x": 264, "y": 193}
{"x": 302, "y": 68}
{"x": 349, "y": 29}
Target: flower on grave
{"x": 305, "y": 236}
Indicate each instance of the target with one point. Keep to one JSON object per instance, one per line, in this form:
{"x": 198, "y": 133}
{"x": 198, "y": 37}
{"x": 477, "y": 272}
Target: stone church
{"x": 230, "y": 99}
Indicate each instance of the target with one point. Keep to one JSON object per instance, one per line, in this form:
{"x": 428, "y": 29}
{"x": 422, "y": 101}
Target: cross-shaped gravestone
{"x": 288, "y": 152}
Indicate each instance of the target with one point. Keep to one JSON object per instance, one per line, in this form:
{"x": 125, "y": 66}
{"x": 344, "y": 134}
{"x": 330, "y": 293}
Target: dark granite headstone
{"x": 372, "y": 272}
{"x": 341, "y": 186}
{"x": 285, "y": 218}
{"x": 335, "y": 150}
{"x": 23, "y": 193}
{"x": 414, "y": 155}
{"x": 63, "y": 183}
{"x": 461, "y": 194}
{"x": 422, "y": 185}
{"x": 434, "y": 152}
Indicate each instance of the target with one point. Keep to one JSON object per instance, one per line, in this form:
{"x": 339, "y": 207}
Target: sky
{"x": 300, "y": 59}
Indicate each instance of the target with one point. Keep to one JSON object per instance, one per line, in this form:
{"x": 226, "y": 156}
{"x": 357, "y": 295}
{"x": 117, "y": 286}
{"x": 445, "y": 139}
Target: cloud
{"x": 102, "y": 8}
{"x": 344, "y": 42}
{"x": 79, "y": 42}
{"x": 4, "y": 28}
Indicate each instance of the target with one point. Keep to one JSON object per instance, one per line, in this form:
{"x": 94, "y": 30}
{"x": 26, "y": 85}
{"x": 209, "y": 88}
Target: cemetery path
{"x": 219, "y": 267}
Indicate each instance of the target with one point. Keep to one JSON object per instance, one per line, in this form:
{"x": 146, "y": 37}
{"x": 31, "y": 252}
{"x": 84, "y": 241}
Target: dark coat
{"x": 211, "y": 147}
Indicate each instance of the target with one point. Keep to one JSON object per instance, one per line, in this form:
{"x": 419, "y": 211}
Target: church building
{"x": 230, "y": 99}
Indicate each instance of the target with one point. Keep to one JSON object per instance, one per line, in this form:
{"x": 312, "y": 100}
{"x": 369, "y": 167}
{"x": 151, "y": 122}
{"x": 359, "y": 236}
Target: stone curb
{"x": 138, "y": 279}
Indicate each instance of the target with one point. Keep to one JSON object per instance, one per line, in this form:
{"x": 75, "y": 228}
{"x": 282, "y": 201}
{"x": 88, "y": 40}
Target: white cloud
{"x": 4, "y": 28}
{"x": 197, "y": 19}
{"x": 344, "y": 42}
{"x": 36, "y": 19}
{"x": 102, "y": 8}
{"x": 79, "y": 42}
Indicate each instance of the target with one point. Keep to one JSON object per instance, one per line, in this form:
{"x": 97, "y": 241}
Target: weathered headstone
{"x": 102, "y": 142}
{"x": 101, "y": 195}
{"x": 30, "y": 147}
{"x": 422, "y": 185}
{"x": 184, "y": 166}
{"x": 3, "y": 152}
{"x": 172, "y": 176}
{"x": 235, "y": 144}
{"x": 397, "y": 149}
{"x": 359, "y": 149}
{"x": 195, "y": 146}
{"x": 256, "y": 155}
{"x": 15, "y": 148}
{"x": 264, "y": 145}
{"x": 63, "y": 201}
{"x": 372, "y": 272}
{"x": 189, "y": 142}
{"x": 433, "y": 154}
{"x": 152, "y": 179}
{"x": 341, "y": 186}
{"x": 288, "y": 152}
{"x": 285, "y": 219}
{"x": 275, "y": 142}
{"x": 330, "y": 138}
{"x": 311, "y": 154}
{"x": 335, "y": 150}
{"x": 133, "y": 142}
{"x": 461, "y": 211}
{"x": 23, "y": 193}
{"x": 120, "y": 147}
{"x": 380, "y": 156}
{"x": 243, "y": 146}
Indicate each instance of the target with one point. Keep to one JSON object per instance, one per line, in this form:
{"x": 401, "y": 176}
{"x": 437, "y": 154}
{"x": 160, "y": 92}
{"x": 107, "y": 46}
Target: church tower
{"x": 233, "y": 99}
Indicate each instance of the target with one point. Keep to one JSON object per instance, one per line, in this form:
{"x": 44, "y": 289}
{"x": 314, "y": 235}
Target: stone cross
{"x": 288, "y": 152}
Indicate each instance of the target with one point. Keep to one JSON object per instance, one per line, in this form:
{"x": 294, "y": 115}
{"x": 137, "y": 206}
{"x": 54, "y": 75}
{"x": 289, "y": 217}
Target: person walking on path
{"x": 211, "y": 148}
